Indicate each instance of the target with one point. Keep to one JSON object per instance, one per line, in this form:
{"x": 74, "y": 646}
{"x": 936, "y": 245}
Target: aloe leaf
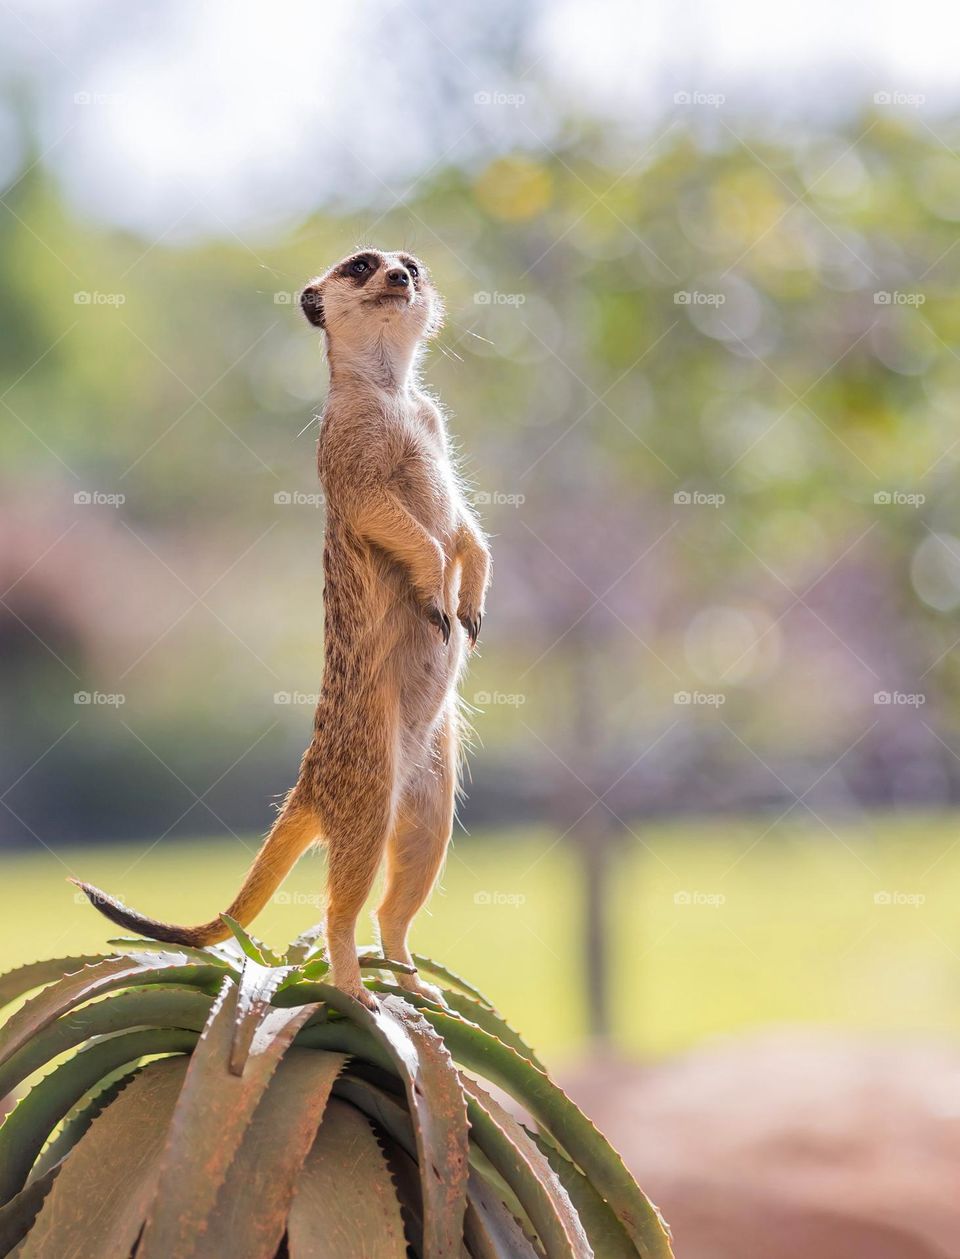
{"x": 77, "y": 1123}
{"x": 306, "y": 943}
{"x": 351, "y": 1216}
{"x": 553, "y": 1110}
{"x": 92, "y": 981}
{"x": 161, "y": 1007}
{"x": 139, "y": 944}
{"x": 27, "y": 1127}
{"x": 213, "y": 1113}
{"x": 257, "y": 985}
{"x": 251, "y": 1212}
{"x": 36, "y": 974}
{"x": 18, "y": 1214}
{"x": 606, "y": 1233}
{"x": 489, "y": 1229}
{"x": 97, "y": 1206}
{"x": 473, "y": 1011}
{"x": 255, "y": 949}
{"x": 436, "y": 1104}
{"x": 450, "y": 978}
{"x": 531, "y": 1177}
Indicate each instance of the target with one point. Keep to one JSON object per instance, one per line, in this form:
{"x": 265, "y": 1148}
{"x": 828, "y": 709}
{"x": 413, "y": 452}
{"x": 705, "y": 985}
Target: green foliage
{"x": 227, "y": 1101}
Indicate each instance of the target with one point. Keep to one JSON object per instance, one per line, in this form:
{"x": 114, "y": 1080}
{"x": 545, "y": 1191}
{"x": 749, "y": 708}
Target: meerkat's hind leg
{"x": 355, "y": 842}
{"x": 416, "y": 849}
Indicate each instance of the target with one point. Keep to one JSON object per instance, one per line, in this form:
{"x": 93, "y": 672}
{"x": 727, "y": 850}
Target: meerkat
{"x": 406, "y": 569}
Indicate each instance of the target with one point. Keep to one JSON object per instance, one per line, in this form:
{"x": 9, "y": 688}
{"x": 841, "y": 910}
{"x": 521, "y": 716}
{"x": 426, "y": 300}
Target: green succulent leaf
{"x": 160, "y": 1007}
{"x": 253, "y": 1205}
{"x": 553, "y": 1110}
{"x": 211, "y": 953}
{"x": 28, "y": 1126}
{"x": 489, "y": 1229}
{"x": 212, "y": 1114}
{"x": 107, "y": 1183}
{"x": 93, "y": 981}
{"x": 255, "y": 949}
{"x": 354, "y": 1216}
{"x": 37, "y": 974}
{"x": 449, "y": 978}
{"x": 528, "y": 1173}
{"x": 436, "y": 1104}
{"x": 18, "y": 1214}
{"x": 607, "y": 1235}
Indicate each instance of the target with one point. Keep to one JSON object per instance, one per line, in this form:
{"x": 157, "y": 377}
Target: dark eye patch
{"x": 412, "y": 266}
{"x": 359, "y": 268}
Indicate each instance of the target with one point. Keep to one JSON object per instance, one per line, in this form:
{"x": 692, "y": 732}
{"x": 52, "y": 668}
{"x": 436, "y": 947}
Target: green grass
{"x": 797, "y": 937}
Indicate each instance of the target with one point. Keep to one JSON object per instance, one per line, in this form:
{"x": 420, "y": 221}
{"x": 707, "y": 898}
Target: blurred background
{"x": 702, "y": 361}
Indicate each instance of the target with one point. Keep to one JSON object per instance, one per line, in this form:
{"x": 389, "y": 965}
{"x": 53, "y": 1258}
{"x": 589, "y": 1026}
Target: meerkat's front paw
{"x": 471, "y": 619}
{"x": 436, "y": 616}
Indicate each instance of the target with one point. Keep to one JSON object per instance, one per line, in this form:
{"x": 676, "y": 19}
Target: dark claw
{"x": 472, "y": 627}
{"x": 436, "y": 616}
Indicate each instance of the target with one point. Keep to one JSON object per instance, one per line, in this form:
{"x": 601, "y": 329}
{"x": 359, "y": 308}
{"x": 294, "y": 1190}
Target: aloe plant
{"x": 229, "y": 1102}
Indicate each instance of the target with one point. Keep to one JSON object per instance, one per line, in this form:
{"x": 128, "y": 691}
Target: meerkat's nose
{"x": 398, "y": 278}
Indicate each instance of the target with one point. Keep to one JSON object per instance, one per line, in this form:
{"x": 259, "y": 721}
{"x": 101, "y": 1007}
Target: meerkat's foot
{"x": 471, "y": 619}
{"x": 436, "y": 616}
{"x": 414, "y": 984}
{"x": 355, "y": 989}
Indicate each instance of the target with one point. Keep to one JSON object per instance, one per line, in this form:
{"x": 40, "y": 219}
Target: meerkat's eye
{"x": 413, "y": 269}
{"x": 359, "y": 266}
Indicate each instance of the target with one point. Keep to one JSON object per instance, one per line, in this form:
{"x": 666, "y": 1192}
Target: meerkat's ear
{"x": 311, "y": 303}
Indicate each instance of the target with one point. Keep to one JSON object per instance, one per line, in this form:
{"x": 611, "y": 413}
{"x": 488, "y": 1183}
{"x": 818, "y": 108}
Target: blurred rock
{"x": 791, "y": 1145}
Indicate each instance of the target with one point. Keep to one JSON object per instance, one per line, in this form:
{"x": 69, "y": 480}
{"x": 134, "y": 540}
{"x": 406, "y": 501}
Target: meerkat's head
{"x": 373, "y": 297}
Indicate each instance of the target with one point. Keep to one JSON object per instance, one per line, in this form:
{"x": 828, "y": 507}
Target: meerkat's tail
{"x": 291, "y": 835}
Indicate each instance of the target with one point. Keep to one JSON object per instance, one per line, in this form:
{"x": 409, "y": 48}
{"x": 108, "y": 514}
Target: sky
{"x": 229, "y": 115}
